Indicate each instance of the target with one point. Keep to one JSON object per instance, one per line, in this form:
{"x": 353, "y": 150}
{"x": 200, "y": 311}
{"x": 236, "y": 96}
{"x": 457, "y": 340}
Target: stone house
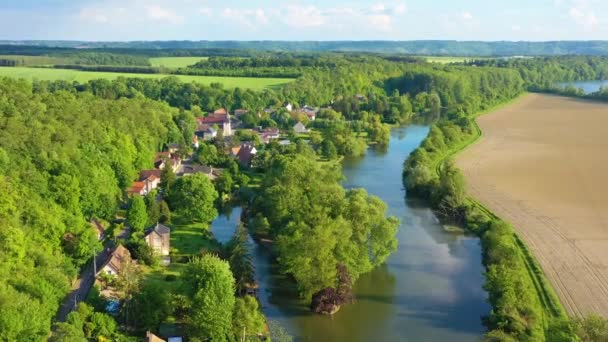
{"x": 159, "y": 239}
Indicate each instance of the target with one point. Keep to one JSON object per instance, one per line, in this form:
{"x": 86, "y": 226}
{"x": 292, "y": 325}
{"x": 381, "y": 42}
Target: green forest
{"x": 69, "y": 152}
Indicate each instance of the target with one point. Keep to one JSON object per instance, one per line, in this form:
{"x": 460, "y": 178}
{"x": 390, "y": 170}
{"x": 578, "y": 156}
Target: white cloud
{"x": 381, "y": 22}
{"x": 466, "y": 15}
{"x": 206, "y": 11}
{"x": 245, "y": 16}
{"x": 261, "y": 16}
{"x": 588, "y": 20}
{"x": 382, "y": 8}
{"x": 303, "y": 16}
{"x": 376, "y": 8}
{"x": 158, "y": 13}
{"x": 93, "y": 15}
{"x": 400, "y": 8}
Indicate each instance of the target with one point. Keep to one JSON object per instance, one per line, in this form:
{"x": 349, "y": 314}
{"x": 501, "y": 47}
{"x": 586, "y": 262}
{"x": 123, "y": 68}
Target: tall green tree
{"x": 318, "y": 225}
{"x": 167, "y": 178}
{"x": 137, "y": 215}
{"x": 211, "y": 286}
{"x": 194, "y": 197}
{"x": 248, "y": 322}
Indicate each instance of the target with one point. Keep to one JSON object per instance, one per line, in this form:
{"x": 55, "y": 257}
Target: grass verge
{"x": 552, "y": 307}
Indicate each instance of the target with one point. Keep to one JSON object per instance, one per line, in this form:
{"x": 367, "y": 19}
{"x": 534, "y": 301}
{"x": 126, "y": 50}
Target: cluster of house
{"x": 157, "y": 237}
{"x": 149, "y": 180}
{"x": 208, "y": 126}
{"x": 309, "y": 111}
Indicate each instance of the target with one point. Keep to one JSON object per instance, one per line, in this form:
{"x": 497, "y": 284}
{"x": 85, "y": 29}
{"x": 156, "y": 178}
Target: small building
{"x": 162, "y": 158}
{"x": 310, "y": 112}
{"x": 289, "y": 107}
{"x": 190, "y": 169}
{"x": 246, "y": 153}
{"x": 115, "y": 264}
{"x": 159, "y": 239}
{"x": 195, "y": 144}
{"x": 150, "y": 337}
{"x": 206, "y": 132}
{"x": 150, "y": 178}
{"x": 234, "y": 151}
{"x": 137, "y": 188}
{"x": 300, "y": 128}
{"x": 219, "y": 117}
{"x": 269, "y": 134}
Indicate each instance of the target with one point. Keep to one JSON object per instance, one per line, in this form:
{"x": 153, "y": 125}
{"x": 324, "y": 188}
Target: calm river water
{"x": 587, "y": 86}
{"x": 429, "y": 290}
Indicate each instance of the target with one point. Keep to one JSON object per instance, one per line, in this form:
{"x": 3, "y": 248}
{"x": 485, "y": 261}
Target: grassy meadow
{"x": 175, "y": 62}
{"x": 449, "y": 59}
{"x": 36, "y": 60}
{"x": 85, "y": 76}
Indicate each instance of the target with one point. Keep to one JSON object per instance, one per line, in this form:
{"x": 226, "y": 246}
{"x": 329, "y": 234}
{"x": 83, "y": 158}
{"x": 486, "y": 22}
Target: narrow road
{"x": 81, "y": 287}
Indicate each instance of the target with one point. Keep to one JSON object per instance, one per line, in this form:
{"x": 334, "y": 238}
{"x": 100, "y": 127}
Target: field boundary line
{"x": 552, "y": 306}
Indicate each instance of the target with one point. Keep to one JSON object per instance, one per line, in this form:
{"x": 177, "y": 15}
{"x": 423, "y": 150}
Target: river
{"x": 587, "y": 86}
{"x": 430, "y": 288}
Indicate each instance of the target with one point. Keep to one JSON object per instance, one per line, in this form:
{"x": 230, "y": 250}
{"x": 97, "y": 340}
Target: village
{"x": 173, "y": 242}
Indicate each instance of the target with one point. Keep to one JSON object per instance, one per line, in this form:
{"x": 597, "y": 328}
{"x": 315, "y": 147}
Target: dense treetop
{"x": 64, "y": 158}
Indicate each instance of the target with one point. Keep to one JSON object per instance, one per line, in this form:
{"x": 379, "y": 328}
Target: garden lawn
{"x": 189, "y": 239}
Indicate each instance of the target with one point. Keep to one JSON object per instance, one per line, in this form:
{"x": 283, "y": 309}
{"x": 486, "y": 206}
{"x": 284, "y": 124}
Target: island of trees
{"x": 69, "y": 152}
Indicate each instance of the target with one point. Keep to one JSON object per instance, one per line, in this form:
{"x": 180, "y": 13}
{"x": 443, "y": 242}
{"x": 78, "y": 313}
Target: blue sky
{"x": 304, "y": 20}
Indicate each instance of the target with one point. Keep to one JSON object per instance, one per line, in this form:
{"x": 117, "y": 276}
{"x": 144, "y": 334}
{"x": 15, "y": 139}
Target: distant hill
{"x": 418, "y": 47}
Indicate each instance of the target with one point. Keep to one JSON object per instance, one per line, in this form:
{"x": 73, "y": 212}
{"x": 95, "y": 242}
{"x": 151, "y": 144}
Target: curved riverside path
{"x": 429, "y": 290}
{"x": 541, "y": 165}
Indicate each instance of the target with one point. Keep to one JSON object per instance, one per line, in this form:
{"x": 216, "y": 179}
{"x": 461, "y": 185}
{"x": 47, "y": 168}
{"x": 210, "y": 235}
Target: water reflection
{"x": 430, "y": 289}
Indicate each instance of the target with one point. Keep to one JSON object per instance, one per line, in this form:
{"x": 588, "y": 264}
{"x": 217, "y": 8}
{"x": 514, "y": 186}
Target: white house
{"x": 119, "y": 257}
{"x": 300, "y": 128}
{"x": 159, "y": 239}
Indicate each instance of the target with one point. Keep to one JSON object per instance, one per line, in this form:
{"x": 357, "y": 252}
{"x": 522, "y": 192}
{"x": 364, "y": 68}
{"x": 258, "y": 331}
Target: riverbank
{"x": 524, "y": 305}
{"x": 557, "y": 204}
{"x": 429, "y": 289}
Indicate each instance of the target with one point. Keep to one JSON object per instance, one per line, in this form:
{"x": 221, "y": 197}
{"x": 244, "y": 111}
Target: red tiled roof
{"x": 136, "y": 188}
{"x": 149, "y": 174}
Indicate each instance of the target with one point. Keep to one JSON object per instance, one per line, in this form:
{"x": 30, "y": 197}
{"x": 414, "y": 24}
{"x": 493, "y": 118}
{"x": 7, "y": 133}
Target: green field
{"x": 449, "y": 59}
{"x": 36, "y": 60}
{"x": 175, "y": 62}
{"x": 84, "y": 76}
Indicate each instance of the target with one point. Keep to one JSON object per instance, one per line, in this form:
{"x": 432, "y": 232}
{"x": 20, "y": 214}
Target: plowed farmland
{"x": 542, "y": 165}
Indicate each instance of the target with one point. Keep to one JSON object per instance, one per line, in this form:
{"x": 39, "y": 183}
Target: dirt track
{"x": 542, "y": 165}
